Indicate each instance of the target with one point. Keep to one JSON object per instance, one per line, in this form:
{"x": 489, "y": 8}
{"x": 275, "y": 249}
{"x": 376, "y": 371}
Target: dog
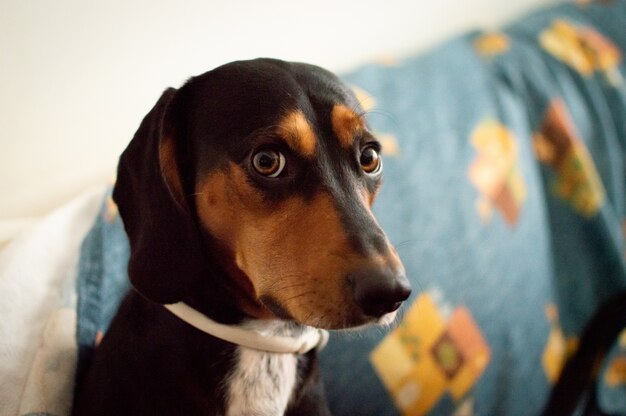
{"x": 246, "y": 197}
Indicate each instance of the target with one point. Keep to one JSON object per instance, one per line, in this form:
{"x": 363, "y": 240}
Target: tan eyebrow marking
{"x": 295, "y": 129}
{"x": 346, "y": 123}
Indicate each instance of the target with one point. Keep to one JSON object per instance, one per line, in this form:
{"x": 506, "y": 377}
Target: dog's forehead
{"x": 301, "y": 104}
{"x": 286, "y": 81}
{"x": 246, "y": 96}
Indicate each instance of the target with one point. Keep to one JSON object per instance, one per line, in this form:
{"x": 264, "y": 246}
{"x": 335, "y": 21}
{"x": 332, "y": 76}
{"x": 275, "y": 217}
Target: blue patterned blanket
{"x": 505, "y": 194}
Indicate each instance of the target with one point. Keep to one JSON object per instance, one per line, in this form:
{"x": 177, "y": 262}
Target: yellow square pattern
{"x": 406, "y": 363}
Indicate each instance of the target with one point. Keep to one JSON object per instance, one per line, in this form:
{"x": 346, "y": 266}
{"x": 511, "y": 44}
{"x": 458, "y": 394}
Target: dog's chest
{"x": 260, "y": 383}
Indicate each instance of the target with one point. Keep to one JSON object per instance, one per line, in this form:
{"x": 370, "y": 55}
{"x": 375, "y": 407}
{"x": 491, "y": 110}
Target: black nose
{"x": 378, "y": 291}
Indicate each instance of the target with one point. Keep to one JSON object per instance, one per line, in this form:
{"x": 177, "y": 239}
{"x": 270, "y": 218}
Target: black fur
{"x": 576, "y": 386}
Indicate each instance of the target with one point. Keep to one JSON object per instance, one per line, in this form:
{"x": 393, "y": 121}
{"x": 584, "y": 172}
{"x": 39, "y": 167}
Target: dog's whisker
{"x": 384, "y": 113}
{"x": 307, "y": 319}
{"x": 405, "y": 243}
{"x": 274, "y": 286}
{"x": 299, "y": 295}
{"x": 339, "y": 254}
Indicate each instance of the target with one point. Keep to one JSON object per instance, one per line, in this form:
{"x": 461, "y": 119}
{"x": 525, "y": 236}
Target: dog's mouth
{"x": 388, "y": 320}
{"x": 321, "y": 311}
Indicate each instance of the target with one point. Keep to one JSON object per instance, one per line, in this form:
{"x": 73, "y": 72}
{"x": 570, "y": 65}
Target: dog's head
{"x": 266, "y": 170}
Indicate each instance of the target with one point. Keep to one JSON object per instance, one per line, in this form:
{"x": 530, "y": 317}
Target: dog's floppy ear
{"x": 164, "y": 241}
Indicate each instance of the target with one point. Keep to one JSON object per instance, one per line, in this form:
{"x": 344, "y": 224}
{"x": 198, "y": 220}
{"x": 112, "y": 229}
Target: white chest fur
{"x": 261, "y": 383}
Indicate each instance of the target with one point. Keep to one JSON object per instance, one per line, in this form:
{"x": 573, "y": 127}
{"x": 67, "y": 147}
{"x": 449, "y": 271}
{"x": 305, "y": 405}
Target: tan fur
{"x": 295, "y": 129}
{"x": 346, "y": 124}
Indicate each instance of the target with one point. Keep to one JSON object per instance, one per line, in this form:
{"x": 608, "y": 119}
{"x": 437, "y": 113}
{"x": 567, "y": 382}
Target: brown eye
{"x": 268, "y": 162}
{"x": 370, "y": 160}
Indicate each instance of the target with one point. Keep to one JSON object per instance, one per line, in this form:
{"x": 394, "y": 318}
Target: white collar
{"x": 250, "y": 338}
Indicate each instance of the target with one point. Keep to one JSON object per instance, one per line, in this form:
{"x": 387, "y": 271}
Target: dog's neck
{"x": 222, "y": 306}
{"x": 273, "y": 336}
{"x": 222, "y": 292}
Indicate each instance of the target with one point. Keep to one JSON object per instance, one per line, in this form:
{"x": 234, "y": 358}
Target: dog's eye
{"x": 268, "y": 162}
{"x": 370, "y": 160}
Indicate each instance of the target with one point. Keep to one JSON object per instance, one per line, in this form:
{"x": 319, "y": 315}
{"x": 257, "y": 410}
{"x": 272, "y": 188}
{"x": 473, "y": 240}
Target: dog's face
{"x": 274, "y": 163}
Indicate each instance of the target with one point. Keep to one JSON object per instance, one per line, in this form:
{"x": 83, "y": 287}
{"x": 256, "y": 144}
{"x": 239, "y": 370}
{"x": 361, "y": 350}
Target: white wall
{"x": 77, "y": 76}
